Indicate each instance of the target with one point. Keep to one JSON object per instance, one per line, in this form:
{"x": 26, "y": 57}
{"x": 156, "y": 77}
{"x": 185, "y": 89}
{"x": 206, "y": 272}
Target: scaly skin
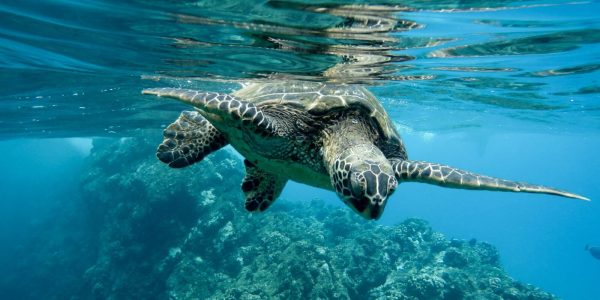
{"x": 229, "y": 108}
{"x": 447, "y": 176}
{"x": 188, "y": 140}
{"x": 360, "y": 173}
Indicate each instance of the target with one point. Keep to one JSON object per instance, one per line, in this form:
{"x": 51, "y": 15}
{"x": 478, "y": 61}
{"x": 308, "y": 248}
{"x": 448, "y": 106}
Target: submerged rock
{"x": 160, "y": 233}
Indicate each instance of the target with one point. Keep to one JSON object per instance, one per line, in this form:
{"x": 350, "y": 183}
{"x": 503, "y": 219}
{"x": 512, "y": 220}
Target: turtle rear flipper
{"x": 260, "y": 187}
{"x": 446, "y": 176}
{"x": 188, "y": 140}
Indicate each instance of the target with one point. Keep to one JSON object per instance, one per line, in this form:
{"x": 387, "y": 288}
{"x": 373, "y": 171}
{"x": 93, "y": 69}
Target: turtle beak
{"x": 374, "y": 211}
{"x": 368, "y": 208}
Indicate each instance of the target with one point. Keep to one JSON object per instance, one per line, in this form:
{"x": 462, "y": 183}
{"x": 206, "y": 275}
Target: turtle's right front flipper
{"x": 188, "y": 140}
{"x": 225, "y": 106}
{"x": 446, "y": 176}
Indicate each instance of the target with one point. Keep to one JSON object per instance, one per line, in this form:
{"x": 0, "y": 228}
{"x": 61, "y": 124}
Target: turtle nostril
{"x": 378, "y": 200}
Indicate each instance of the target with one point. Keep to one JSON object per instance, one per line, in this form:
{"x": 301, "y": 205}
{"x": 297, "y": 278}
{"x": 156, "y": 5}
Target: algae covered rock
{"x": 152, "y": 232}
{"x": 141, "y": 212}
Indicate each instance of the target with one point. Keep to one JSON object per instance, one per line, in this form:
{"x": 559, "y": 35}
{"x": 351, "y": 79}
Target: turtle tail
{"x": 446, "y": 176}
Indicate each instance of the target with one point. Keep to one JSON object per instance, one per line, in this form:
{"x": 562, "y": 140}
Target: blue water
{"x": 506, "y": 88}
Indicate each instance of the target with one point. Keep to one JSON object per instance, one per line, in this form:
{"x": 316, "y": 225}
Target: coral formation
{"x": 159, "y": 233}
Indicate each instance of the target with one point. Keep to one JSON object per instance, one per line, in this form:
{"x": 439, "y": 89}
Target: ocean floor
{"x": 140, "y": 230}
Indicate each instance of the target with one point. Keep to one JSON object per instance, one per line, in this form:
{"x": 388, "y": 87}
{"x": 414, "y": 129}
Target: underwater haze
{"x": 503, "y": 88}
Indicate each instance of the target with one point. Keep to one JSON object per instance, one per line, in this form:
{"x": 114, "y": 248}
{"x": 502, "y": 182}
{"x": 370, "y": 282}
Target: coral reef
{"x": 159, "y": 233}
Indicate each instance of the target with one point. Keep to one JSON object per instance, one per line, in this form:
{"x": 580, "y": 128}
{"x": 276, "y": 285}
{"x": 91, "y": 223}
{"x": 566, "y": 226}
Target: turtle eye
{"x": 392, "y": 184}
{"x": 358, "y": 184}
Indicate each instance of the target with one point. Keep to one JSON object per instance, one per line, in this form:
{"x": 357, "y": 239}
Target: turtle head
{"x": 364, "y": 182}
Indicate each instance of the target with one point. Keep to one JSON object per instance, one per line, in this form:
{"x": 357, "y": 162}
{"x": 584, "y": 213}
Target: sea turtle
{"x": 332, "y": 136}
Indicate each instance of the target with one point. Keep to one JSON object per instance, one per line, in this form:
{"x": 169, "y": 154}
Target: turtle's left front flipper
{"x": 446, "y": 176}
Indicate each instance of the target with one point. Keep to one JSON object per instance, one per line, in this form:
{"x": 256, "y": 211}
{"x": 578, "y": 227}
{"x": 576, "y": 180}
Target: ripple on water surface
{"x": 505, "y": 57}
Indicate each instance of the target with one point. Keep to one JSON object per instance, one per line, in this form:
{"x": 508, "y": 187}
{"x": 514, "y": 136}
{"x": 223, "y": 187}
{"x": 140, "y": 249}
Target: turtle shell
{"x": 321, "y": 98}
